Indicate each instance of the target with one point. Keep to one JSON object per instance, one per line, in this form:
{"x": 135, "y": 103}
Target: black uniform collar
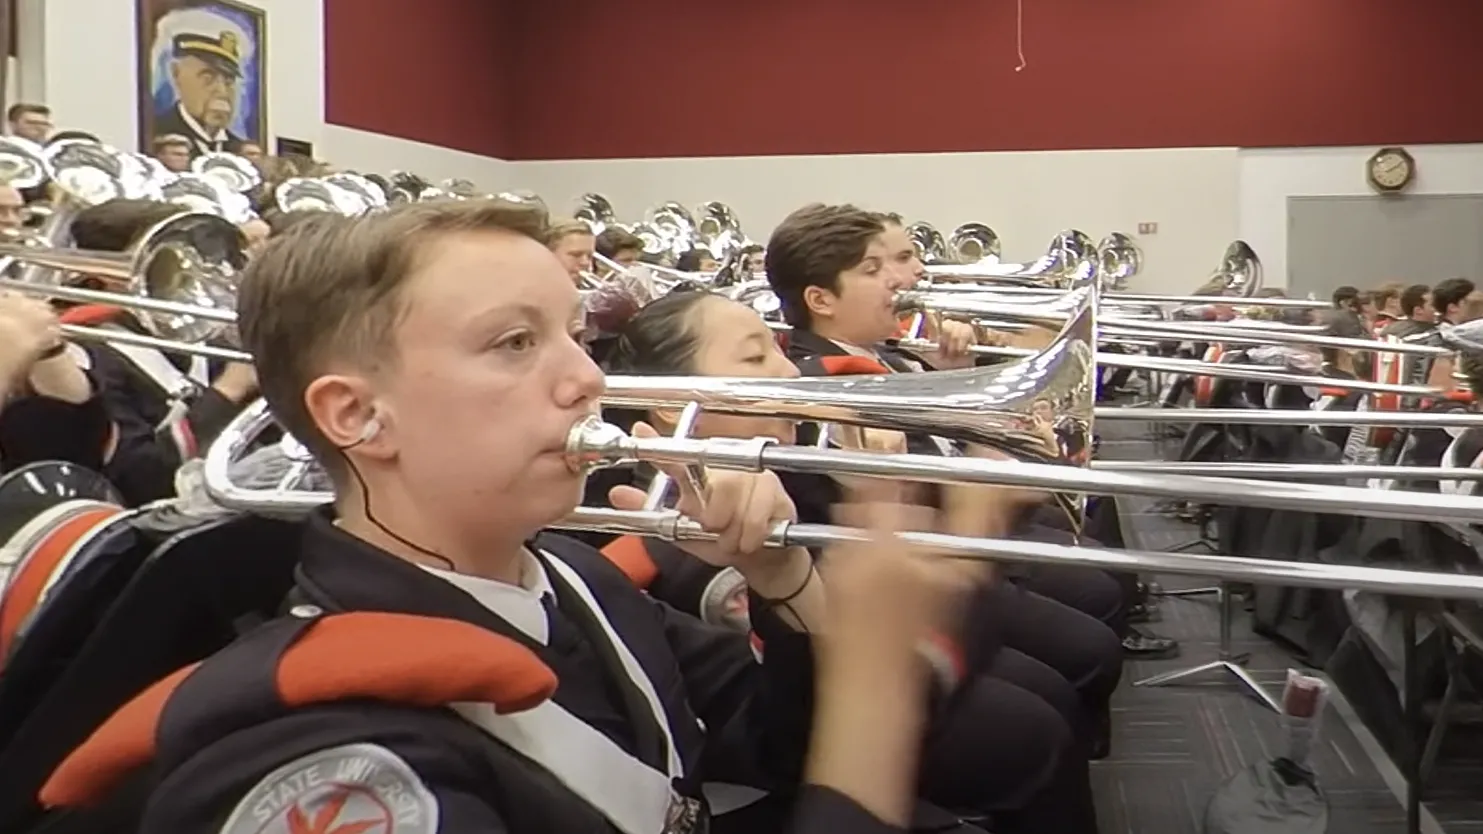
{"x": 339, "y": 572}
{"x": 804, "y": 345}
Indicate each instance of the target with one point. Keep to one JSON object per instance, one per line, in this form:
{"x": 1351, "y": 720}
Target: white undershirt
{"x": 519, "y": 605}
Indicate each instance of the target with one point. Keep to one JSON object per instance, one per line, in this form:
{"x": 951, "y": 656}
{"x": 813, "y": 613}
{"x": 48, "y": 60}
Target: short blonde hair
{"x": 563, "y": 227}
{"x": 332, "y": 290}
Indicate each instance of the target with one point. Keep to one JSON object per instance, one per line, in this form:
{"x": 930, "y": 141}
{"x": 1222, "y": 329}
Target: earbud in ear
{"x": 369, "y": 430}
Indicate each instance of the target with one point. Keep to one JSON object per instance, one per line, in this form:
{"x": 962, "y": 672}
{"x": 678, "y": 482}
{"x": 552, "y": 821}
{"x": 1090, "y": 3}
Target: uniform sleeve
{"x": 35, "y": 428}
{"x": 757, "y": 715}
{"x": 147, "y": 454}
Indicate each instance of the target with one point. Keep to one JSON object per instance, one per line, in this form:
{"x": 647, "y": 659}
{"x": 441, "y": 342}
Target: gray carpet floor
{"x": 1175, "y": 745}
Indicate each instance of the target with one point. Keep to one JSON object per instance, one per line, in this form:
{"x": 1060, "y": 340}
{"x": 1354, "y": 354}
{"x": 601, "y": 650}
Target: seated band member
{"x": 1416, "y": 313}
{"x": 572, "y": 242}
{"x": 1386, "y": 302}
{"x": 49, "y": 409}
{"x": 835, "y": 276}
{"x": 1006, "y": 749}
{"x": 620, "y": 247}
{"x": 167, "y": 407}
{"x": 445, "y": 667}
{"x": 1450, "y": 299}
{"x": 697, "y": 260}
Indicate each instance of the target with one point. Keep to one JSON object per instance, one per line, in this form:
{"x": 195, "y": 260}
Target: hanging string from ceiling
{"x": 1019, "y": 33}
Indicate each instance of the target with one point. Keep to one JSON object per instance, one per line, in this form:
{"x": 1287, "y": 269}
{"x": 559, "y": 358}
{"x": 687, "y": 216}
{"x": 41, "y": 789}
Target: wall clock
{"x": 1390, "y": 170}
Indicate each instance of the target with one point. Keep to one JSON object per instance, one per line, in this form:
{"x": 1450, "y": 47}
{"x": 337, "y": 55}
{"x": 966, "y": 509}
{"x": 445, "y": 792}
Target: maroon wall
{"x": 427, "y": 70}
{"x": 652, "y": 78}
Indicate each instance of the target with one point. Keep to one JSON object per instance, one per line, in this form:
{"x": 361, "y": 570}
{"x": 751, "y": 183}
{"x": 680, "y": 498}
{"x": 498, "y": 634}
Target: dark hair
{"x": 811, "y": 247}
{"x": 115, "y": 225}
{"x": 613, "y": 241}
{"x": 21, "y": 108}
{"x": 1346, "y": 297}
{"x": 691, "y": 260}
{"x": 1345, "y": 323}
{"x": 1384, "y": 293}
{"x": 662, "y": 338}
{"x": 1451, "y": 291}
{"x": 1413, "y": 297}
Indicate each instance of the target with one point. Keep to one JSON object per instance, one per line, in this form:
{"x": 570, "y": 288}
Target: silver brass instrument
{"x": 1238, "y": 276}
{"x": 1070, "y": 253}
{"x": 931, "y": 248}
{"x": 718, "y": 229}
{"x": 365, "y": 196}
{"x": 22, "y": 163}
{"x": 207, "y": 194}
{"x": 235, "y": 173}
{"x": 674, "y": 226}
{"x": 1121, "y": 260}
{"x": 189, "y": 262}
{"x": 595, "y": 211}
{"x": 973, "y": 243}
{"x": 344, "y": 194}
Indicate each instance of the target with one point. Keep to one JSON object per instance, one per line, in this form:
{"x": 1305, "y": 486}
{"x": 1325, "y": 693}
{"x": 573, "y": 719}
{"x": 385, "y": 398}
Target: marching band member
{"x": 697, "y": 260}
{"x": 572, "y": 242}
{"x": 49, "y": 409}
{"x": 1007, "y": 749}
{"x": 1450, "y": 300}
{"x": 167, "y": 407}
{"x": 444, "y": 666}
{"x": 623, "y": 248}
{"x": 12, "y": 209}
{"x": 834, "y": 272}
{"x": 1416, "y": 313}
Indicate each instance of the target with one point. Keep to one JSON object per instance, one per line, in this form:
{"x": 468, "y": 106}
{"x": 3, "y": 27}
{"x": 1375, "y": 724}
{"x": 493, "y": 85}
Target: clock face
{"x": 1390, "y": 170}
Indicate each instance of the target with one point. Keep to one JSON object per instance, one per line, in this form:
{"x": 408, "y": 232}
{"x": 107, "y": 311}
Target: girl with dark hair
{"x": 1015, "y": 739}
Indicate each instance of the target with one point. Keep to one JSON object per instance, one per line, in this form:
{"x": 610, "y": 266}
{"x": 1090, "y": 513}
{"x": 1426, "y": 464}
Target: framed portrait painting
{"x": 202, "y": 72}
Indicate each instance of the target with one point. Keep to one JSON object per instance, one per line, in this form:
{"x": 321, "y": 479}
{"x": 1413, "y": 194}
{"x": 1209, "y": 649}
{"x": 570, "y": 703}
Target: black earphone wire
{"x": 365, "y": 497}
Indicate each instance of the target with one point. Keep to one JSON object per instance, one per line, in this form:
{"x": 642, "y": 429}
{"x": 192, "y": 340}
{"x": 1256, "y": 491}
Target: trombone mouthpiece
{"x": 594, "y": 444}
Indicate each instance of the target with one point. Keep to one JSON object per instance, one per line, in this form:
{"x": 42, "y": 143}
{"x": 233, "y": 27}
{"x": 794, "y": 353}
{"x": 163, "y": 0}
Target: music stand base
{"x": 1231, "y": 666}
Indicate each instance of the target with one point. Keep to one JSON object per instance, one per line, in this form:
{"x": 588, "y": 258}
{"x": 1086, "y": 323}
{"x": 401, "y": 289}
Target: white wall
{"x": 78, "y": 57}
{"x": 1025, "y": 197}
{"x": 1200, "y": 199}
{"x": 1270, "y": 177}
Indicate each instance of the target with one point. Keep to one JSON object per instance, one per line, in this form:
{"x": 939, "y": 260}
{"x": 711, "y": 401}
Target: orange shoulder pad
{"x": 91, "y": 314}
{"x": 631, "y": 555}
{"x": 850, "y": 364}
{"x": 417, "y": 661}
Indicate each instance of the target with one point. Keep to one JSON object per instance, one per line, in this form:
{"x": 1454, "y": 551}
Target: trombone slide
{"x": 593, "y": 443}
{"x": 671, "y": 526}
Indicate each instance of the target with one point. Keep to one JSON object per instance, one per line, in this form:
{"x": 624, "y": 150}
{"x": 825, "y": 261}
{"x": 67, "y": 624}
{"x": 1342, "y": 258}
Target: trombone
{"x": 992, "y": 406}
{"x": 989, "y": 406}
{"x": 181, "y": 274}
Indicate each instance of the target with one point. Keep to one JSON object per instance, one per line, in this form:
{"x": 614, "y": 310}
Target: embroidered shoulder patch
{"x": 351, "y": 789}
